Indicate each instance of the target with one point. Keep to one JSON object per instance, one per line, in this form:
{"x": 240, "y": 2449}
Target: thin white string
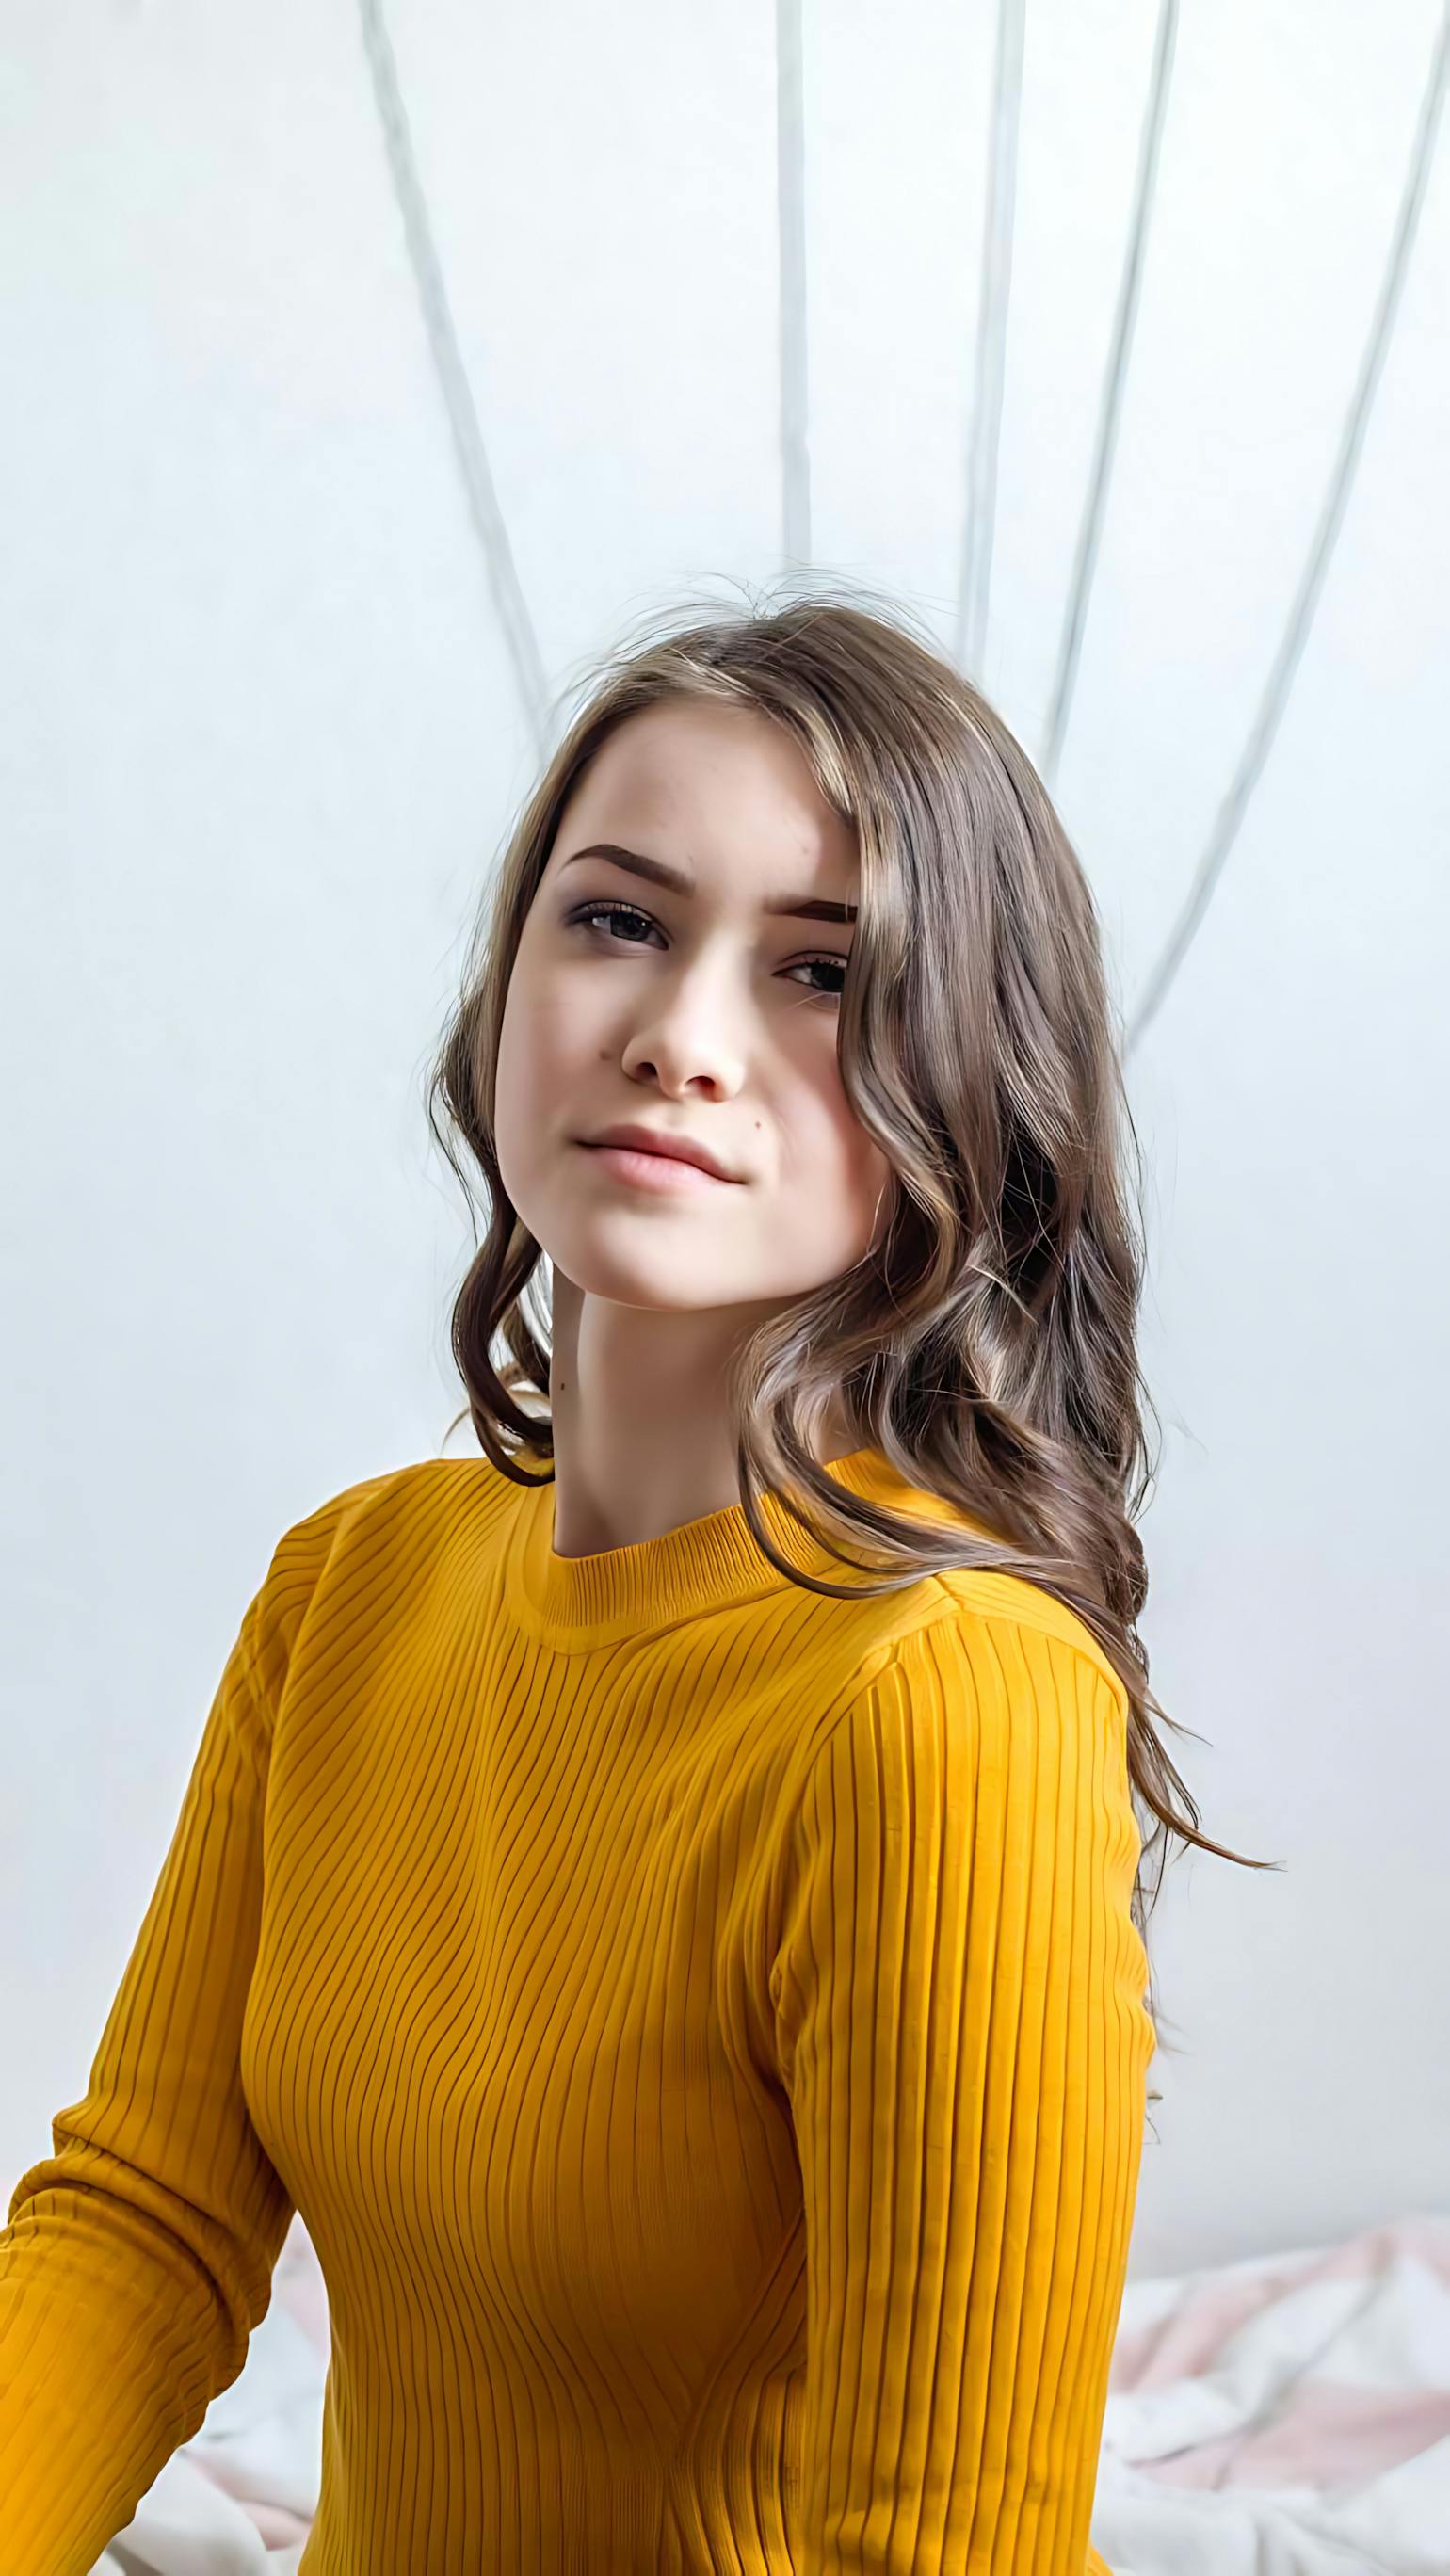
{"x": 1110, "y": 407}
{"x": 1306, "y": 599}
{"x": 508, "y": 597}
{"x": 795, "y": 470}
{"x": 994, "y": 298}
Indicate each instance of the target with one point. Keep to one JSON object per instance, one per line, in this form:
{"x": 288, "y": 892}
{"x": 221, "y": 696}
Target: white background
{"x": 262, "y": 740}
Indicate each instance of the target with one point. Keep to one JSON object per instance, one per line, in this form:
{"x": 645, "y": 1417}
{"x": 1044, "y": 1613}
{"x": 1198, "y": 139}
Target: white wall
{"x": 263, "y": 736}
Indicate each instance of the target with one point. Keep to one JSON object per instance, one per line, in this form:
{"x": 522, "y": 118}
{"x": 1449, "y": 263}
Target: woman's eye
{"x": 819, "y": 965}
{"x": 587, "y": 915}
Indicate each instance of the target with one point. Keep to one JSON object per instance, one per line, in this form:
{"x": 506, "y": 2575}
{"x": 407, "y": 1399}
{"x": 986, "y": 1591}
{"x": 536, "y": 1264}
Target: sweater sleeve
{"x": 963, "y": 2040}
{"x": 138, "y": 2255}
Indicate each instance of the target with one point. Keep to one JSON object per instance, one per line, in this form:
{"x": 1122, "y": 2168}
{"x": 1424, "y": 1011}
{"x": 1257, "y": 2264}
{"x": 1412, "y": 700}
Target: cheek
{"x": 522, "y": 1084}
{"x": 840, "y": 1179}
{"x": 532, "y": 1052}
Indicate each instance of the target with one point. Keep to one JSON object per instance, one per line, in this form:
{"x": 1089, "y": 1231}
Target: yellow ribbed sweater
{"x": 700, "y": 2023}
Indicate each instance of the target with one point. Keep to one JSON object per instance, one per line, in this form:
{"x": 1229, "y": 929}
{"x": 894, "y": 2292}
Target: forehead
{"x": 712, "y": 786}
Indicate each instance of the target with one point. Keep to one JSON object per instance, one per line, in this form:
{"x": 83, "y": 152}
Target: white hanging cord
{"x": 795, "y": 510}
{"x": 452, "y": 377}
{"x": 995, "y": 295}
{"x": 1286, "y": 661}
{"x": 1110, "y": 407}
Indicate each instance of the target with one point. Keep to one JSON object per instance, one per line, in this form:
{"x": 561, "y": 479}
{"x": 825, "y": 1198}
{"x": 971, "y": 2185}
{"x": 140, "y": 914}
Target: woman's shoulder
{"x": 981, "y": 1614}
{"x": 334, "y": 1542}
{"x": 316, "y": 1531}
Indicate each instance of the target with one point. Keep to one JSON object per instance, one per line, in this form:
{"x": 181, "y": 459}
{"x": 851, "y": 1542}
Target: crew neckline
{"x": 712, "y": 1563}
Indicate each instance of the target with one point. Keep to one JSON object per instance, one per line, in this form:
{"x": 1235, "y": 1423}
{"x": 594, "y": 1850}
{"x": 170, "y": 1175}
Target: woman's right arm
{"x": 138, "y": 2256}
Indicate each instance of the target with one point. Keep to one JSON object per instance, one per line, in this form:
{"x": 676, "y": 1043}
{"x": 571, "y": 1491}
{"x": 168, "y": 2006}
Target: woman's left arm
{"x": 964, "y": 2041}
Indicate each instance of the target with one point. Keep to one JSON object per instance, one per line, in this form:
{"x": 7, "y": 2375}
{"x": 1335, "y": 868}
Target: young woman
{"x": 662, "y": 1899}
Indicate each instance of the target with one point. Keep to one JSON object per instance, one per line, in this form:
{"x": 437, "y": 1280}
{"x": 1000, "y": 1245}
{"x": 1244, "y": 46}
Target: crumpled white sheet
{"x": 1288, "y": 2415}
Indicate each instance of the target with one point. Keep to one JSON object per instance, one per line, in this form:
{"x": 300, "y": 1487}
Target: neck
{"x": 643, "y": 1441}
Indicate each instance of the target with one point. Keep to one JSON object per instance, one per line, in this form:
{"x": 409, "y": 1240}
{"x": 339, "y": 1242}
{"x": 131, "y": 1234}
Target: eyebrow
{"x": 800, "y": 907}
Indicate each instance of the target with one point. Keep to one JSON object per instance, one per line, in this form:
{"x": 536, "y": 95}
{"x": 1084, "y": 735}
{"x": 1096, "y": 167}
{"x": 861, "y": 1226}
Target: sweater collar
{"x": 705, "y": 1565}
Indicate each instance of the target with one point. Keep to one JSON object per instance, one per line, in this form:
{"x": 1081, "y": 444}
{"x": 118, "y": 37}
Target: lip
{"x": 655, "y": 1175}
{"x": 653, "y": 1141}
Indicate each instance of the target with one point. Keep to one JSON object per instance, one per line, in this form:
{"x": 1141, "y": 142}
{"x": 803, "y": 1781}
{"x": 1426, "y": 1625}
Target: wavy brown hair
{"x": 987, "y": 1345}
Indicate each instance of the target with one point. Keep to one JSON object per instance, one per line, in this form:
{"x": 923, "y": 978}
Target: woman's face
{"x": 694, "y": 1010}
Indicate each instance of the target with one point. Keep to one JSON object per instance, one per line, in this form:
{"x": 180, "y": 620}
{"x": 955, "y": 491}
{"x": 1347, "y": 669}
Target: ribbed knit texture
{"x": 701, "y": 2024}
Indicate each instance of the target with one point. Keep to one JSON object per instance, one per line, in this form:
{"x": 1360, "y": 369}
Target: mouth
{"x": 662, "y": 1173}
{"x": 657, "y": 1142}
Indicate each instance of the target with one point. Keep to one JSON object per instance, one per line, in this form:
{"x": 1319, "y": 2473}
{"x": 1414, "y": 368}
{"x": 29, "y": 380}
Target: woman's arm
{"x": 138, "y": 2256}
{"x": 964, "y": 2044}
